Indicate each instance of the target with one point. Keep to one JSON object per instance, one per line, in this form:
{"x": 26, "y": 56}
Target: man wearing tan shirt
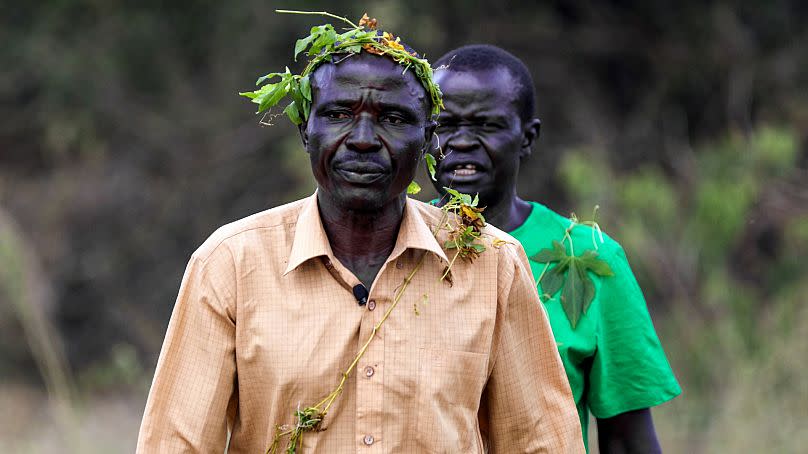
{"x": 274, "y": 308}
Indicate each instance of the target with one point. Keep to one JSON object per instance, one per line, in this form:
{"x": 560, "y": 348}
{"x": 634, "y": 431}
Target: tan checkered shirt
{"x": 266, "y": 322}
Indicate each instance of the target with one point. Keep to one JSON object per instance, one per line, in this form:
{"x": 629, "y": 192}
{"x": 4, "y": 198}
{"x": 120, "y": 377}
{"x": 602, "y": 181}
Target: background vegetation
{"x": 123, "y": 145}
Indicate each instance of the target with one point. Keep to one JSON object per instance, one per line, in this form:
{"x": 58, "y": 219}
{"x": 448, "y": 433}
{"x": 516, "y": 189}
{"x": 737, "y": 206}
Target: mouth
{"x": 365, "y": 173}
{"x": 464, "y": 170}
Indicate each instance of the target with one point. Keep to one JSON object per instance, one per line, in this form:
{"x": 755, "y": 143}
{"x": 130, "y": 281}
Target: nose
{"x": 363, "y": 136}
{"x": 462, "y": 139}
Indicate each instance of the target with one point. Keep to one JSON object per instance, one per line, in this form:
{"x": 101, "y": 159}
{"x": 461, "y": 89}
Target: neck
{"x": 362, "y": 240}
{"x": 507, "y": 213}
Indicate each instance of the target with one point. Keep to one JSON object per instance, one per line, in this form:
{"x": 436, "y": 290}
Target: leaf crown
{"x": 320, "y": 45}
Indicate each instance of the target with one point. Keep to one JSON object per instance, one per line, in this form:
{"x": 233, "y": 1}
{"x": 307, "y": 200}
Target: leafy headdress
{"x": 320, "y": 46}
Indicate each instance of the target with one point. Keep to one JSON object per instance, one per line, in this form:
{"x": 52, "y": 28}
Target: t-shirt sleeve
{"x": 629, "y": 370}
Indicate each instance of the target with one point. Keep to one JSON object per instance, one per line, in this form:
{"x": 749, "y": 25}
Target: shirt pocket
{"x": 450, "y": 384}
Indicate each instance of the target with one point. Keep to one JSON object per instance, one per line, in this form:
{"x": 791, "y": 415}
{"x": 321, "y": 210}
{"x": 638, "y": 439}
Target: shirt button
{"x": 371, "y": 305}
{"x": 369, "y": 371}
{"x": 399, "y": 265}
{"x": 368, "y": 440}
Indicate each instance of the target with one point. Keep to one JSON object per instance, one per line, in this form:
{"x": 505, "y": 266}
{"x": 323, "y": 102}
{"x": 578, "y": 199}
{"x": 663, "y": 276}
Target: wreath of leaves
{"x": 320, "y": 45}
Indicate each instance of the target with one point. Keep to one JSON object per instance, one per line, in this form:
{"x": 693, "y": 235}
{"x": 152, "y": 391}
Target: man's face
{"x": 366, "y": 132}
{"x": 480, "y": 132}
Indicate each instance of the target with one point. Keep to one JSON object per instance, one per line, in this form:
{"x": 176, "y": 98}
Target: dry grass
{"x": 29, "y": 423}
{"x": 754, "y": 396}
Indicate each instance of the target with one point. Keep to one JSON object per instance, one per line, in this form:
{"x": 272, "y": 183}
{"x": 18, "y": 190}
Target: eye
{"x": 394, "y": 119}
{"x": 338, "y": 115}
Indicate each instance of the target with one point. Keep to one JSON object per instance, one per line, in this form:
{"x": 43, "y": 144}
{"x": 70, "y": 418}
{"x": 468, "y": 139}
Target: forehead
{"x": 359, "y": 75}
{"x": 464, "y": 91}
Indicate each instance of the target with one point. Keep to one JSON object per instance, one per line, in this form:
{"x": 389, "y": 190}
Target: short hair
{"x": 485, "y": 57}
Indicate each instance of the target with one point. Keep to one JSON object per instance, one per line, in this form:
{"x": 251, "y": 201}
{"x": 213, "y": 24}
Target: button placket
{"x": 369, "y": 379}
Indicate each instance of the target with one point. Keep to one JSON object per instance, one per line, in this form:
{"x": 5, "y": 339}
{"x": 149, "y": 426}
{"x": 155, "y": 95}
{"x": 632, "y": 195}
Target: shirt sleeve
{"x": 194, "y": 382}
{"x": 629, "y": 370}
{"x": 527, "y": 404}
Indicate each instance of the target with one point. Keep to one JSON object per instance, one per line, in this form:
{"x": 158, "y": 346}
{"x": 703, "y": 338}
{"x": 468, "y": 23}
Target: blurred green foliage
{"x": 123, "y": 145}
{"x": 722, "y": 322}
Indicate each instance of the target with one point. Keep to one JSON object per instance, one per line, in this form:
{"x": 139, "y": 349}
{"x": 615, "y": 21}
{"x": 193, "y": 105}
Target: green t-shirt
{"x": 613, "y": 358}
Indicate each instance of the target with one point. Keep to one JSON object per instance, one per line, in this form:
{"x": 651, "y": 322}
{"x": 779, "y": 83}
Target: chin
{"x": 363, "y": 200}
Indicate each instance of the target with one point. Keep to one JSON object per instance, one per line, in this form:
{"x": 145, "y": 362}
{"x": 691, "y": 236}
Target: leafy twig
{"x": 571, "y": 273}
{"x": 310, "y": 418}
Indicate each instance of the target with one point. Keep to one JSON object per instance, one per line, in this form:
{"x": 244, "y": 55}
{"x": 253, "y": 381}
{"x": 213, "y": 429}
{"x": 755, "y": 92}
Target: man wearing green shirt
{"x": 614, "y": 361}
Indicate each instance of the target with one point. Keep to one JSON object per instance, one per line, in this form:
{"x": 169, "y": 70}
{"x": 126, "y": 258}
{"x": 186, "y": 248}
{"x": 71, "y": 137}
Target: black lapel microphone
{"x": 361, "y": 294}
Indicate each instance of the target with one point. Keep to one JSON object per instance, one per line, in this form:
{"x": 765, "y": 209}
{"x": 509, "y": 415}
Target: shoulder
{"x": 585, "y": 236}
{"x": 281, "y": 217}
{"x": 430, "y": 213}
{"x": 492, "y": 237}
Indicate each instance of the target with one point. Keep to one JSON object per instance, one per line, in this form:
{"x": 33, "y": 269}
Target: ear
{"x": 530, "y": 134}
{"x": 304, "y": 136}
{"x": 429, "y": 134}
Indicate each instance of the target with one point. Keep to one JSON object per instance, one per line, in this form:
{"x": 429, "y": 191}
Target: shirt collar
{"x": 415, "y": 233}
{"x": 310, "y": 240}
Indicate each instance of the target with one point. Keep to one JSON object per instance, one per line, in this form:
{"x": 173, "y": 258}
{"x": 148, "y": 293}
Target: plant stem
{"x": 546, "y": 265}
{"x": 296, "y": 433}
{"x": 449, "y": 268}
{"x": 376, "y": 328}
{"x": 317, "y": 13}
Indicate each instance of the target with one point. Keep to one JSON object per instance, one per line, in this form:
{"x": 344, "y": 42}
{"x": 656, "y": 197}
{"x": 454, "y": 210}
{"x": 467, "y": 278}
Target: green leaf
{"x": 293, "y": 113}
{"x": 572, "y": 295}
{"x": 261, "y": 91}
{"x": 272, "y": 98}
{"x": 449, "y": 244}
{"x": 453, "y": 192}
{"x": 302, "y": 44}
{"x": 305, "y": 87}
{"x": 589, "y": 291}
{"x": 325, "y": 40}
{"x": 478, "y": 247}
{"x": 557, "y": 253}
{"x": 476, "y": 200}
{"x": 413, "y": 188}
{"x": 552, "y": 280}
{"x": 269, "y": 76}
{"x": 355, "y": 49}
{"x": 430, "y": 165}
{"x": 589, "y": 260}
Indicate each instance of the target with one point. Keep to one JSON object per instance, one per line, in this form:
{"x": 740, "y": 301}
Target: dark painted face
{"x": 481, "y": 133}
{"x": 368, "y": 128}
